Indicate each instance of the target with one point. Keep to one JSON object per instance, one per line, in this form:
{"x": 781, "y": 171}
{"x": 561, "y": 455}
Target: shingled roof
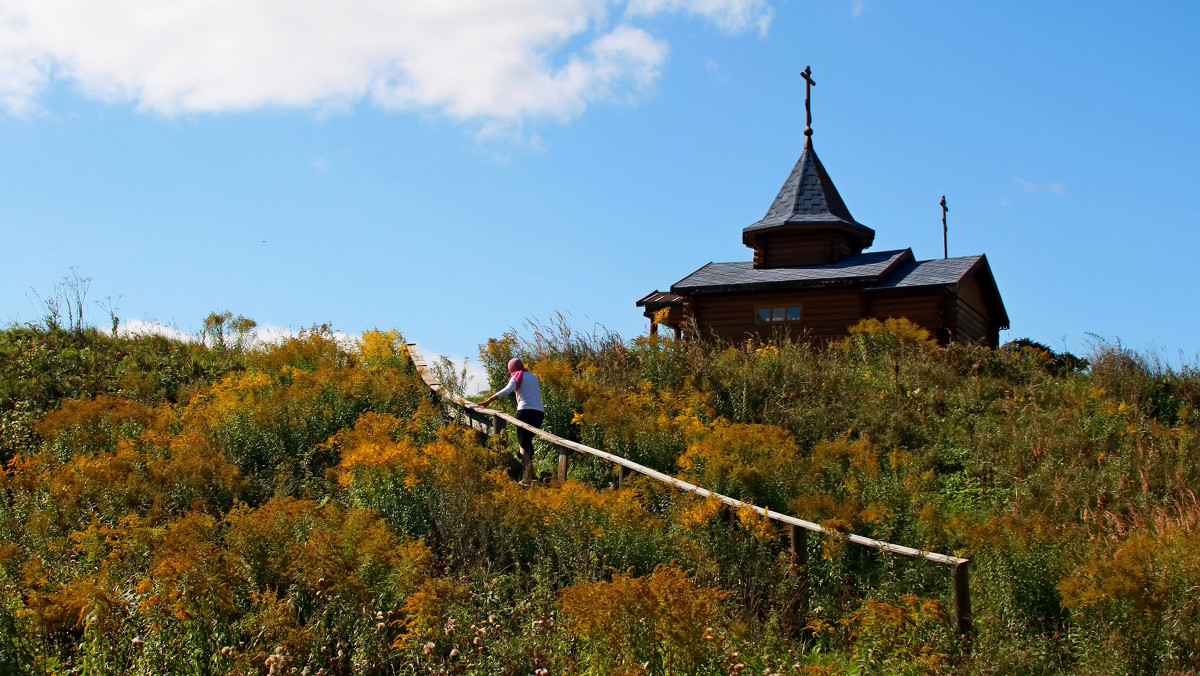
{"x": 659, "y": 299}
{"x": 862, "y": 268}
{"x": 809, "y": 198}
{"x": 946, "y": 272}
{"x": 937, "y": 272}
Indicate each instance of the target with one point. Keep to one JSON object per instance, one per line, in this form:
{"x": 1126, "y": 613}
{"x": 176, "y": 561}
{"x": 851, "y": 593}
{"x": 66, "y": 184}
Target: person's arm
{"x": 512, "y": 385}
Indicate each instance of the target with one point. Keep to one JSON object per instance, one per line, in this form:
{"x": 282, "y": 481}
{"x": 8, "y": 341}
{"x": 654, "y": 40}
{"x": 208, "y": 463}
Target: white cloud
{"x": 142, "y": 327}
{"x": 1054, "y": 188}
{"x": 857, "y": 7}
{"x": 731, "y": 16}
{"x": 261, "y": 334}
{"x": 476, "y": 380}
{"x": 266, "y": 334}
{"x": 22, "y": 66}
{"x": 481, "y": 60}
{"x": 319, "y": 164}
{"x": 715, "y": 71}
{"x": 1027, "y": 186}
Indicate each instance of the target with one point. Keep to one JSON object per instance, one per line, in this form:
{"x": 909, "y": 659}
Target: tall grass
{"x": 177, "y": 508}
{"x": 1038, "y": 466}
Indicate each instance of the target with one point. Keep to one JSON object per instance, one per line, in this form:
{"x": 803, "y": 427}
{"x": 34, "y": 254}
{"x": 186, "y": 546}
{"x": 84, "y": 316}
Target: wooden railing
{"x": 491, "y": 421}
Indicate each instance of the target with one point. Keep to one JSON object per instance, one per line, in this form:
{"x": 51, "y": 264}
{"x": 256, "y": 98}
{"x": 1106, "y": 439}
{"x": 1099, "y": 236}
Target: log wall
{"x": 973, "y": 316}
{"x": 786, "y": 249}
{"x": 827, "y": 313}
{"x": 824, "y": 313}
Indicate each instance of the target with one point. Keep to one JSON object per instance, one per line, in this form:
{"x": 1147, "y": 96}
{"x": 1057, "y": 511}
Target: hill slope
{"x": 170, "y": 508}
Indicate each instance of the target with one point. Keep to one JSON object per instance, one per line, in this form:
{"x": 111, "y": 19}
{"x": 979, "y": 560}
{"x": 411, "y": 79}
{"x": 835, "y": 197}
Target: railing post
{"x": 478, "y": 423}
{"x": 622, "y": 475}
{"x": 562, "y": 463}
{"x": 962, "y": 601}
{"x": 498, "y": 424}
{"x": 798, "y": 606}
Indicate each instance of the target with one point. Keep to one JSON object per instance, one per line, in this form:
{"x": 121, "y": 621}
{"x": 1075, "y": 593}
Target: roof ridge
{"x": 950, "y": 258}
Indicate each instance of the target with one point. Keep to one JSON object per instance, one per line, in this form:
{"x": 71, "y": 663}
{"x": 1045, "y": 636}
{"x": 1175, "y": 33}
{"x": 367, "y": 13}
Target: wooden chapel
{"x": 811, "y": 276}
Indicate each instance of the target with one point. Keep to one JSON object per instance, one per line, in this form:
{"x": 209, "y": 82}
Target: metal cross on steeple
{"x": 945, "y": 250}
{"x": 808, "y": 85}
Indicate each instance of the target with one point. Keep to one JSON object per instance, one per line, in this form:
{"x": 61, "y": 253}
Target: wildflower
{"x": 425, "y": 649}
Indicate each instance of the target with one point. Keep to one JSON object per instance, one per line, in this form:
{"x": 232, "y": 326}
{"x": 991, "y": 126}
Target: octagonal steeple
{"x": 807, "y": 223}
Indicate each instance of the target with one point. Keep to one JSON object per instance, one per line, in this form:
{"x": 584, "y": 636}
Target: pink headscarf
{"x": 516, "y": 368}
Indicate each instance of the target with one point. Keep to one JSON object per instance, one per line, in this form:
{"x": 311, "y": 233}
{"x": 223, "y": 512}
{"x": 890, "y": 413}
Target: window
{"x": 782, "y": 313}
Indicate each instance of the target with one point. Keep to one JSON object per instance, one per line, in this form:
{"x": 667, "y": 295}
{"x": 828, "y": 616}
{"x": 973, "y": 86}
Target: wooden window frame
{"x": 798, "y": 307}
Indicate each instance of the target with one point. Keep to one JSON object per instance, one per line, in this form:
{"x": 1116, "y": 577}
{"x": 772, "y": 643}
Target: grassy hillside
{"x": 306, "y": 508}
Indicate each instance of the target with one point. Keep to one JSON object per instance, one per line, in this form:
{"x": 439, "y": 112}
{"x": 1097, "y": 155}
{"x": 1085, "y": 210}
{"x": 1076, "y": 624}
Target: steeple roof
{"x": 808, "y": 198}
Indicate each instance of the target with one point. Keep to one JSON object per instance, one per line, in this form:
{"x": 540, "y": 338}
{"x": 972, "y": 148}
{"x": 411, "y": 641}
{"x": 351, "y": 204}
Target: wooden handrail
{"x": 961, "y": 599}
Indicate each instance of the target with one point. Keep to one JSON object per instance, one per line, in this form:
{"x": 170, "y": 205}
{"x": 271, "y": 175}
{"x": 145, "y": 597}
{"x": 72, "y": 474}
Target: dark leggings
{"x": 525, "y": 437}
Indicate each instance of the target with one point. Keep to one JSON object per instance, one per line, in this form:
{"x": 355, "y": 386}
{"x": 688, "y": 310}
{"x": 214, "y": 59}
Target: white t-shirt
{"x": 529, "y": 394}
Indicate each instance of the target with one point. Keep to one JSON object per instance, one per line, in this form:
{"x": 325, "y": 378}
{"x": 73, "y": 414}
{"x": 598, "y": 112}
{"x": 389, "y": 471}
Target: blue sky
{"x": 452, "y": 169}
